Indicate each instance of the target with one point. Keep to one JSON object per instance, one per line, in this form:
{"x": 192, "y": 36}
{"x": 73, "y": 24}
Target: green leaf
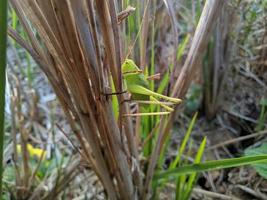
{"x": 260, "y": 168}
{"x": 263, "y": 102}
{"x": 211, "y": 165}
{"x": 193, "y": 176}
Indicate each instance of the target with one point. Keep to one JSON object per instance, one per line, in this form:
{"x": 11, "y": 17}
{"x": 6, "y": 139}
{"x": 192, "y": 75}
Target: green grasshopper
{"x": 137, "y": 84}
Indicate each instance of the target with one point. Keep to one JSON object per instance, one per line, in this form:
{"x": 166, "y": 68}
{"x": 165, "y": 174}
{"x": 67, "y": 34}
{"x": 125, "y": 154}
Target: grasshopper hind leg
{"x": 146, "y": 114}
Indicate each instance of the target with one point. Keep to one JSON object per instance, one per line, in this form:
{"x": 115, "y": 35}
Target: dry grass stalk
{"x": 216, "y": 70}
{"x": 67, "y": 46}
{"x": 169, "y": 6}
{"x": 144, "y": 35}
{"x": 125, "y": 13}
{"x": 26, "y": 175}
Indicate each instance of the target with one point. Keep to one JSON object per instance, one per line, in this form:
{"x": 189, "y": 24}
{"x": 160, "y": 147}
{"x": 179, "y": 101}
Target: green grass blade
{"x": 180, "y": 180}
{"x": 184, "y": 185}
{"x": 185, "y": 162}
{"x": 260, "y": 126}
{"x": 211, "y": 165}
{"x": 192, "y": 177}
{"x": 180, "y": 184}
{"x": 3, "y": 46}
{"x": 152, "y": 56}
{"x": 198, "y": 11}
{"x": 182, "y": 46}
{"x": 183, "y": 145}
{"x": 14, "y": 19}
{"x": 156, "y": 185}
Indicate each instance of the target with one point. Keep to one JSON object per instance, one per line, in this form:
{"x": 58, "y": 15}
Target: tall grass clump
{"x": 80, "y": 46}
{"x": 3, "y": 46}
{"x": 67, "y": 44}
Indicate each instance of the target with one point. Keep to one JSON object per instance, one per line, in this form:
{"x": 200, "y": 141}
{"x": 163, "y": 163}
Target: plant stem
{"x": 3, "y": 45}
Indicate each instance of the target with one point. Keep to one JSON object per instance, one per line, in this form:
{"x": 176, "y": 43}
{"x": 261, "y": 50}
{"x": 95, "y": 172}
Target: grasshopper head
{"x": 129, "y": 67}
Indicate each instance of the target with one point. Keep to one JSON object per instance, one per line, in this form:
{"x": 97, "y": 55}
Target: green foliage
{"x": 185, "y": 175}
{"x": 188, "y": 182}
{"x": 41, "y": 170}
{"x": 3, "y": 45}
{"x": 211, "y": 165}
{"x": 184, "y": 182}
{"x": 261, "y": 168}
{"x": 176, "y": 162}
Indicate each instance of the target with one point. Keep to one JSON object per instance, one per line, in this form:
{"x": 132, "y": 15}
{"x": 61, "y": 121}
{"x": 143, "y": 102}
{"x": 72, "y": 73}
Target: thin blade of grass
{"x": 211, "y": 165}
{"x": 180, "y": 184}
{"x": 181, "y": 180}
{"x": 192, "y": 177}
{"x": 182, "y": 148}
{"x": 3, "y": 46}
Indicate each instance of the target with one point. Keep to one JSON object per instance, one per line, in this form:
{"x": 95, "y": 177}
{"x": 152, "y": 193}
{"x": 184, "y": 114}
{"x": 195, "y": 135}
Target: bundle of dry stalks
{"x": 67, "y": 45}
{"x": 77, "y": 44}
